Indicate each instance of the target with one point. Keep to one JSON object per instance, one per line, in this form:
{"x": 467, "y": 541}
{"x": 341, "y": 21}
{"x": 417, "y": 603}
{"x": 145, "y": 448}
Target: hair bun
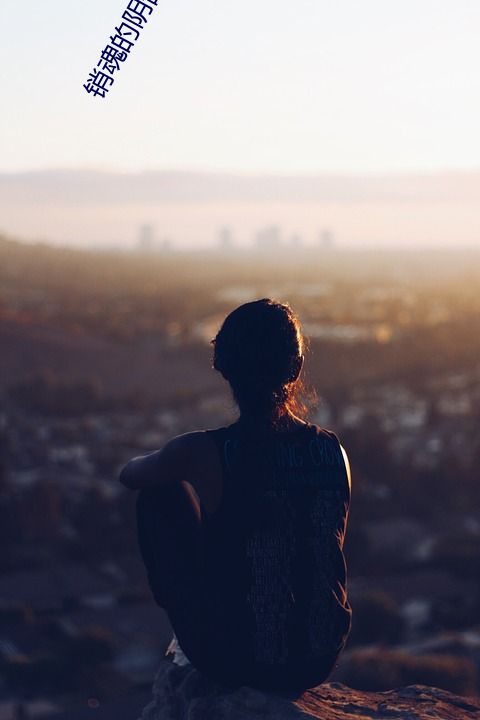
{"x": 259, "y": 350}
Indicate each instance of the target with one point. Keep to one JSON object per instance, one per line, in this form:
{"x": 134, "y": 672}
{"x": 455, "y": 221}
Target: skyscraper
{"x": 146, "y": 238}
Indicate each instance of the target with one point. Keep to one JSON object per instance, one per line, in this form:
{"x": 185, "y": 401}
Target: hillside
{"x": 30, "y": 346}
{"x": 106, "y": 355}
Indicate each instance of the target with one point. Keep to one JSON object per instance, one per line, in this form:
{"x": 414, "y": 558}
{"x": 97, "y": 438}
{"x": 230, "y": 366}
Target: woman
{"x": 250, "y": 566}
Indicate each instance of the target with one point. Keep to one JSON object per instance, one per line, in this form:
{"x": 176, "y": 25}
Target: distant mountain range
{"x": 96, "y": 186}
{"x": 88, "y": 207}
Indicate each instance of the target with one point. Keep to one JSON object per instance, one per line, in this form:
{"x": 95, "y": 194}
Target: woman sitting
{"x": 249, "y": 567}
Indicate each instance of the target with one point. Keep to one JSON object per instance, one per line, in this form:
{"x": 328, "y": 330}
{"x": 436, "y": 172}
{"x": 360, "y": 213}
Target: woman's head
{"x": 259, "y": 350}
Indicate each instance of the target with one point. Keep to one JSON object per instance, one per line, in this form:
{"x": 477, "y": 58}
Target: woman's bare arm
{"x": 157, "y": 469}
{"x": 191, "y": 458}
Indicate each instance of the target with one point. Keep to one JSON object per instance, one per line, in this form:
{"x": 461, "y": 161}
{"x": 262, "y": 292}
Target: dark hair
{"x": 259, "y": 350}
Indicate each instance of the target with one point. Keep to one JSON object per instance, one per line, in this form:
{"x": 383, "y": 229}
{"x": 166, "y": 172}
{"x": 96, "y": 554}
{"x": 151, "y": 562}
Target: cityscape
{"x": 267, "y": 239}
{"x": 106, "y": 355}
{"x": 322, "y": 154}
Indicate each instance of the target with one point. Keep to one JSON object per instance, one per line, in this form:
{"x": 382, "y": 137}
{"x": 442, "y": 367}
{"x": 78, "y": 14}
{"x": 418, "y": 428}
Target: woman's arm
{"x": 141, "y": 472}
{"x": 191, "y": 458}
{"x": 157, "y": 469}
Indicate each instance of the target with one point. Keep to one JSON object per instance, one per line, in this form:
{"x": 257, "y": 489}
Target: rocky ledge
{"x": 182, "y": 693}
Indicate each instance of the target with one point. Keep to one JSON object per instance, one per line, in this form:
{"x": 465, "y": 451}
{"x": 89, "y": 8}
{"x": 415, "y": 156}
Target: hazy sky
{"x": 308, "y": 86}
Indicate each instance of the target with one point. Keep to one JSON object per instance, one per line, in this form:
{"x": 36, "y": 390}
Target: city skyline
{"x": 92, "y": 209}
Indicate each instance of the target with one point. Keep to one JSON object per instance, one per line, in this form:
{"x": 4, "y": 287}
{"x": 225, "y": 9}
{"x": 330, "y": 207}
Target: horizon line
{"x": 239, "y": 248}
{"x": 112, "y": 170}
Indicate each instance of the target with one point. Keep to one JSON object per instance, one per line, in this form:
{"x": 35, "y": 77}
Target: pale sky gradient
{"x": 308, "y": 86}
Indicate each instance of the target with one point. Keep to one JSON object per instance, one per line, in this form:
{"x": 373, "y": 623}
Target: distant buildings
{"x": 268, "y": 239}
{"x": 296, "y": 241}
{"x": 326, "y": 239}
{"x": 146, "y": 238}
{"x": 271, "y": 238}
{"x": 225, "y": 238}
{"x": 149, "y": 243}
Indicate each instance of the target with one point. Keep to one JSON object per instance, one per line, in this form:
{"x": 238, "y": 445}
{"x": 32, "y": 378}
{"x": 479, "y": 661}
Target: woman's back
{"x": 275, "y": 581}
{"x": 253, "y": 578}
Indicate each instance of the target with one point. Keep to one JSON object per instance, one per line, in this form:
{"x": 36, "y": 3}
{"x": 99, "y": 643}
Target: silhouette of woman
{"x": 250, "y": 566}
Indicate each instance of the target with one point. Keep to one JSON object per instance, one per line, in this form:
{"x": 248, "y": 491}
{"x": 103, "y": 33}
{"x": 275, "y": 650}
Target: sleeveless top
{"x": 273, "y": 566}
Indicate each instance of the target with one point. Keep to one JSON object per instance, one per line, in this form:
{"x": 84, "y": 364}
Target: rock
{"x": 182, "y": 693}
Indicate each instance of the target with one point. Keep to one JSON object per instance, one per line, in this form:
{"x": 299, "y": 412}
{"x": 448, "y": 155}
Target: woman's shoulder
{"x": 325, "y": 432}
{"x": 196, "y": 459}
{"x": 332, "y": 438}
{"x": 188, "y": 445}
{"x": 198, "y": 439}
{"x": 197, "y": 452}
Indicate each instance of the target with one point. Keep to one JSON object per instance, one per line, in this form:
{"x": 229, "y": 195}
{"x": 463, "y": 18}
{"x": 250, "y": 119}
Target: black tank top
{"x": 273, "y": 564}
